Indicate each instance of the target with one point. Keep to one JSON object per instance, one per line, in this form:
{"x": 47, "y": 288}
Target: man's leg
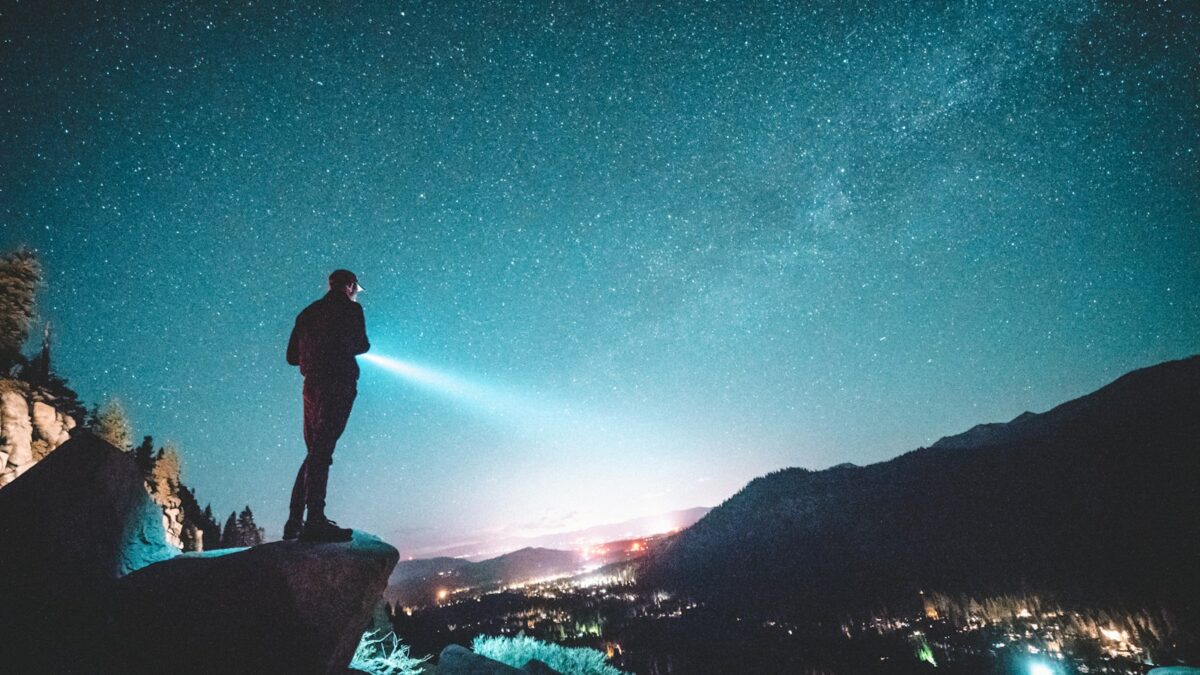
{"x": 330, "y": 403}
{"x": 291, "y": 529}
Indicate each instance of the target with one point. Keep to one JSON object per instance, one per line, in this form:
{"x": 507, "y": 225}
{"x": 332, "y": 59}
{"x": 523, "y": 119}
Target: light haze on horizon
{"x": 679, "y": 246}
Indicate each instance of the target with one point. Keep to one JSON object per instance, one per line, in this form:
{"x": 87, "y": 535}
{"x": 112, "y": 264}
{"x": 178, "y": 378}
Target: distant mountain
{"x": 1095, "y": 500}
{"x": 644, "y": 526}
{"x": 419, "y": 582}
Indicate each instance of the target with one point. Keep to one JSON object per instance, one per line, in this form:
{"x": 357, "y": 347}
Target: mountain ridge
{"x": 1055, "y": 502}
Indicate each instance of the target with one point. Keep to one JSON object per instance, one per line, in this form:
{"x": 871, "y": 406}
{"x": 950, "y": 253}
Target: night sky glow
{"x": 660, "y": 250}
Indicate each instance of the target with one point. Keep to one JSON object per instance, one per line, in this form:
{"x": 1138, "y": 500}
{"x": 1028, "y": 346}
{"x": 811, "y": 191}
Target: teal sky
{"x": 690, "y": 244}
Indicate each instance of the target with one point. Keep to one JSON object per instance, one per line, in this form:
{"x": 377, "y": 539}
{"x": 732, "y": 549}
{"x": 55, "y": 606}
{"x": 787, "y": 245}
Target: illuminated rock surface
{"x": 285, "y": 607}
{"x": 30, "y": 429}
{"x": 88, "y": 583}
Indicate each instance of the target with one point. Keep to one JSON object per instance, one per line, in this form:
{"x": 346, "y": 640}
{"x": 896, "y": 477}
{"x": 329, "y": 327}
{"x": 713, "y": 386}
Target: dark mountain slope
{"x": 1095, "y": 500}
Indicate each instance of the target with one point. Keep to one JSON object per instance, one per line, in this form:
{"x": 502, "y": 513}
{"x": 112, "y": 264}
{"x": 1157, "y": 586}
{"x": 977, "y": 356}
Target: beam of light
{"x": 553, "y": 425}
{"x": 449, "y": 385}
{"x": 544, "y": 418}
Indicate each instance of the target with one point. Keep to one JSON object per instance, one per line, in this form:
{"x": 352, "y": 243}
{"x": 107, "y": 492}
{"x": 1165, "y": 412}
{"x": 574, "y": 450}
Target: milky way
{"x": 721, "y": 238}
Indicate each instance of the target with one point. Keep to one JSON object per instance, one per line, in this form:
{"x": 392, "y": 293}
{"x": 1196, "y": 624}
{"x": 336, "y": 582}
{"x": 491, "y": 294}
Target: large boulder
{"x": 283, "y": 607}
{"x": 70, "y": 526}
{"x": 88, "y": 583}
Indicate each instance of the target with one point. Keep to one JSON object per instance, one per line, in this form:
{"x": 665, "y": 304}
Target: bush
{"x": 384, "y": 655}
{"x": 517, "y": 651}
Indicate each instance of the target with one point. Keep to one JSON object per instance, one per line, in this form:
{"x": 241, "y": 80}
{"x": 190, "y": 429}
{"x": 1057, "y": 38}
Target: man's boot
{"x": 292, "y": 528}
{"x": 323, "y": 529}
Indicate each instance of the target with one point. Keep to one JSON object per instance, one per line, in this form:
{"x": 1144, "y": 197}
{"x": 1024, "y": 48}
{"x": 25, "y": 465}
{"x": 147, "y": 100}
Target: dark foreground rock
{"x": 88, "y": 583}
{"x": 69, "y": 527}
{"x": 284, "y": 607}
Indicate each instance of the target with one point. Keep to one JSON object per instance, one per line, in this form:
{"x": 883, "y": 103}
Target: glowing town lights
{"x": 442, "y": 594}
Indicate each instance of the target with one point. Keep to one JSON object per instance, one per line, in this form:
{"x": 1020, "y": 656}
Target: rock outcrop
{"x": 16, "y": 432}
{"x": 30, "y": 429}
{"x": 89, "y": 584}
{"x": 283, "y": 607}
{"x": 69, "y": 527}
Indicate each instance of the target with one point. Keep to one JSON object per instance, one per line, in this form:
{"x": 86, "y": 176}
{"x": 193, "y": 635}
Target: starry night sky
{"x": 696, "y": 241}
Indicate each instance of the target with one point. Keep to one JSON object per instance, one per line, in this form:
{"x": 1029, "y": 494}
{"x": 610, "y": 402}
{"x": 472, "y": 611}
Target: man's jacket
{"x": 327, "y": 335}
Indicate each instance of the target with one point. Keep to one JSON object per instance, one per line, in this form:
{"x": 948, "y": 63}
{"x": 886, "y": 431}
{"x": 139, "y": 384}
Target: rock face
{"x": 89, "y": 584}
{"x": 69, "y": 527}
{"x": 29, "y": 429}
{"x": 50, "y": 425}
{"x": 16, "y": 433}
{"x": 283, "y": 607}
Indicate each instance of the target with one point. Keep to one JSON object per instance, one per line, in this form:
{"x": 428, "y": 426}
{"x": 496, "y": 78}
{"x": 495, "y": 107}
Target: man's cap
{"x": 344, "y": 278}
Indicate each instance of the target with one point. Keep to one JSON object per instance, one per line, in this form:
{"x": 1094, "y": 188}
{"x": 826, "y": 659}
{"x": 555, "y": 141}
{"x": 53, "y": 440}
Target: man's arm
{"x": 358, "y": 332}
{"x": 293, "y": 348}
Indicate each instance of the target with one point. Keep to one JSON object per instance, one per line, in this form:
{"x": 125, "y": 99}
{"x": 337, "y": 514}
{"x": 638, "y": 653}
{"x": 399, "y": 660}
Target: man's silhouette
{"x": 327, "y": 336}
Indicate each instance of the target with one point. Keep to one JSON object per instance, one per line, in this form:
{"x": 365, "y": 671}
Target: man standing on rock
{"x": 327, "y": 336}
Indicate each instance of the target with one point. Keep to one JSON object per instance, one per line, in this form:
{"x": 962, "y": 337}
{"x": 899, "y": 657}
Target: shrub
{"x": 384, "y": 655}
{"x": 517, "y": 651}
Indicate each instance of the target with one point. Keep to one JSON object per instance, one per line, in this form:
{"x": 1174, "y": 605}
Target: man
{"x": 326, "y": 337}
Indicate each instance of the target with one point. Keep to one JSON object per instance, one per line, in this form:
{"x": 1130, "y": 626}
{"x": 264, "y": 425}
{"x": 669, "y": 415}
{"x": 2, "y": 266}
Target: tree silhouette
{"x": 230, "y": 536}
{"x": 143, "y": 455}
{"x": 252, "y": 534}
{"x": 20, "y": 276}
{"x": 241, "y": 530}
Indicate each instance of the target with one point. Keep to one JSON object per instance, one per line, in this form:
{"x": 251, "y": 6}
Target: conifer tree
{"x": 20, "y": 276}
{"x": 143, "y": 455}
{"x": 111, "y": 423}
{"x": 252, "y": 534}
{"x": 211, "y": 528}
{"x": 230, "y": 536}
{"x": 165, "y": 474}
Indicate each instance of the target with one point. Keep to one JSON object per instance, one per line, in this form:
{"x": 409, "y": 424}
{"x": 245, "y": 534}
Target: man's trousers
{"x": 327, "y": 406}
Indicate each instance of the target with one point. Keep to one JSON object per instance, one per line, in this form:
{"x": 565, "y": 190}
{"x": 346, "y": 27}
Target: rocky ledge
{"x": 285, "y": 607}
{"x": 89, "y": 585}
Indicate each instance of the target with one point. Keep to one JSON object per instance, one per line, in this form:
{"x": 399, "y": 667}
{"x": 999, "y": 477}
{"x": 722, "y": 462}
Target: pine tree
{"x": 20, "y": 277}
{"x": 165, "y": 474}
{"x": 110, "y": 423}
{"x": 143, "y": 455}
{"x": 252, "y": 534}
{"x": 211, "y": 529}
{"x": 230, "y": 536}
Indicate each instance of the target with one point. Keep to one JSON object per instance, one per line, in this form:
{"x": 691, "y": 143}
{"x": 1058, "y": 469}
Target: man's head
{"x": 344, "y": 281}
